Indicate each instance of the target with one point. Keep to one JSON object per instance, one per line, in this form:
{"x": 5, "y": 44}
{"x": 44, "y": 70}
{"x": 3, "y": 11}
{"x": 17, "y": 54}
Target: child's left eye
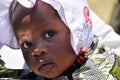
{"x": 49, "y": 34}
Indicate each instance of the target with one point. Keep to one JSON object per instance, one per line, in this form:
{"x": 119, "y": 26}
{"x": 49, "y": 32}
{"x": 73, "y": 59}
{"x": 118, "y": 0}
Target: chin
{"x": 48, "y": 74}
{"x": 51, "y": 76}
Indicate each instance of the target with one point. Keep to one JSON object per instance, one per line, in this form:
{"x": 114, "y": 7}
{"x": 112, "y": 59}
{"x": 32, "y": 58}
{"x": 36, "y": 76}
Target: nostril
{"x": 38, "y": 52}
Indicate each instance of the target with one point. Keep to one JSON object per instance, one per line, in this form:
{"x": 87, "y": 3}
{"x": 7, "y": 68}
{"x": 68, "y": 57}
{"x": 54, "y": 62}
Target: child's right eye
{"x": 26, "y": 44}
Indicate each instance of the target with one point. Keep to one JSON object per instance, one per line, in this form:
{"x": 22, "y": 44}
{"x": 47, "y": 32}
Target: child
{"x": 57, "y": 41}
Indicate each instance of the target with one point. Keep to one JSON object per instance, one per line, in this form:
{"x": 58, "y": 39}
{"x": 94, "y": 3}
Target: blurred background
{"x": 108, "y": 11}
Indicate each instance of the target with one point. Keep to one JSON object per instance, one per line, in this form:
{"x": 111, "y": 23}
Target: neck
{"x": 76, "y": 65}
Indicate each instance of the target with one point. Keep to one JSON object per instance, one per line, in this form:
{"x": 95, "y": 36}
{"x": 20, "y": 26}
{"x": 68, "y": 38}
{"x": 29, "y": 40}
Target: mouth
{"x": 45, "y": 66}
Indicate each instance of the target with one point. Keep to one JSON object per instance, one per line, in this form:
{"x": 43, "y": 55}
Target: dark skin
{"x": 45, "y": 41}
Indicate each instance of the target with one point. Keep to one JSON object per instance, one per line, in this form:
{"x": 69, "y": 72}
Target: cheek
{"x": 62, "y": 49}
{"x": 64, "y": 56}
{"x": 63, "y": 63}
{"x": 28, "y": 57}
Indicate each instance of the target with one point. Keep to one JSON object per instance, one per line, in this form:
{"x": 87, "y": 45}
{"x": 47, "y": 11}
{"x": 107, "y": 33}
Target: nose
{"x": 39, "y": 51}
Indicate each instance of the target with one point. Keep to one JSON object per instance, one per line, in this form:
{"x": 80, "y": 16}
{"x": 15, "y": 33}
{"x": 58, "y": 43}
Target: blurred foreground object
{"x": 115, "y": 18}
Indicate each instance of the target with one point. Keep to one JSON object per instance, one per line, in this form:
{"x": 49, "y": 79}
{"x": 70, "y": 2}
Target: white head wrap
{"x": 75, "y": 14}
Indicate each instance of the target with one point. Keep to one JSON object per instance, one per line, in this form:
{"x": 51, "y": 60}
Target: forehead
{"x": 41, "y": 11}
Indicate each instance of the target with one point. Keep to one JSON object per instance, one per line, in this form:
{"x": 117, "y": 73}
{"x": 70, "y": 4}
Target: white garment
{"x": 8, "y": 55}
{"x": 110, "y": 37}
{"x": 7, "y": 36}
{"x": 99, "y": 28}
{"x": 4, "y": 22}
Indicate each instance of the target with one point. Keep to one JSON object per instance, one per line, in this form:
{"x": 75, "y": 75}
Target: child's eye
{"x": 49, "y": 34}
{"x": 26, "y": 44}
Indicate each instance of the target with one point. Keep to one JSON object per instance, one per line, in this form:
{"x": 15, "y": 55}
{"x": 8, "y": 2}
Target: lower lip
{"x": 46, "y": 67}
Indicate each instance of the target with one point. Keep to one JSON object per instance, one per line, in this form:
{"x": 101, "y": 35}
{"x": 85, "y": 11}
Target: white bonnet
{"x": 75, "y": 14}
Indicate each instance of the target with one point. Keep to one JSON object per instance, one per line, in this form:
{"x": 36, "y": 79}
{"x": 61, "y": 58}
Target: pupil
{"x": 28, "y": 44}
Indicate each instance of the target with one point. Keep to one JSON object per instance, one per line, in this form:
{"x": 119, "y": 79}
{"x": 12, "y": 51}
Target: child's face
{"x": 45, "y": 41}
